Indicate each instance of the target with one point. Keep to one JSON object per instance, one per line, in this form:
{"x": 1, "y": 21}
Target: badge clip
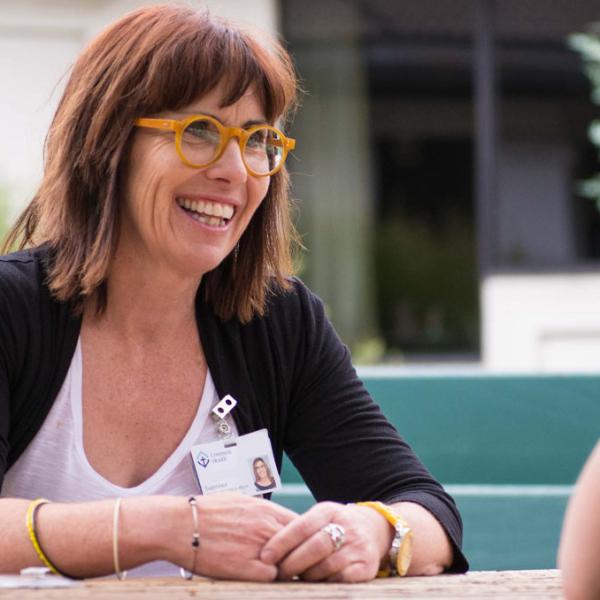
{"x": 220, "y": 411}
{"x": 224, "y": 407}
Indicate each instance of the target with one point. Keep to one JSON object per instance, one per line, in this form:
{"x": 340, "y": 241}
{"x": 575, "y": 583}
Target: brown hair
{"x": 154, "y": 59}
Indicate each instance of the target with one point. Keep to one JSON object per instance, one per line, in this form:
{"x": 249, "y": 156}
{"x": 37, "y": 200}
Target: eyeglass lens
{"x": 201, "y": 141}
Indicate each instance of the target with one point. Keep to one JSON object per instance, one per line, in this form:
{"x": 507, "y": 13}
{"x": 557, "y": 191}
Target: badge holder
{"x": 236, "y": 465}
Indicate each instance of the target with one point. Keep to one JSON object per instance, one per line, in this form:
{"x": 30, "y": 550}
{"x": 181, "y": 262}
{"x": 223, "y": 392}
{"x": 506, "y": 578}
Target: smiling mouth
{"x": 215, "y": 214}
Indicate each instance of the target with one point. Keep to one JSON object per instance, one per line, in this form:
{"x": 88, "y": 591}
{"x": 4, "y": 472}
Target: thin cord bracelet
{"x": 120, "y": 574}
{"x": 189, "y": 575}
{"x": 30, "y": 515}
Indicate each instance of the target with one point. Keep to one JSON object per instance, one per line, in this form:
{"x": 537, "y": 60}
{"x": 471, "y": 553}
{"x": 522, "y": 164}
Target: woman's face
{"x": 261, "y": 470}
{"x": 157, "y": 226}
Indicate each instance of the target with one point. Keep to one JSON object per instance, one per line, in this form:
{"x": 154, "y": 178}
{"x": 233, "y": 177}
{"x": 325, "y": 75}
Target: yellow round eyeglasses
{"x": 200, "y": 141}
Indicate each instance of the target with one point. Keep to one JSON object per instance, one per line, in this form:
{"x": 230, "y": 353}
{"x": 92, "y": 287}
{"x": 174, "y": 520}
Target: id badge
{"x": 244, "y": 464}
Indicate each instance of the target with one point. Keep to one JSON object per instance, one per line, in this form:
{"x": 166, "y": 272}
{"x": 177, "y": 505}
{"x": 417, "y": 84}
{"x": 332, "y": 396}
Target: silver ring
{"x": 336, "y": 533}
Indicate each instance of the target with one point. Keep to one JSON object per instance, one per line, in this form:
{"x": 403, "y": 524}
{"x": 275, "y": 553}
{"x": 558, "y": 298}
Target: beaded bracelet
{"x": 195, "y": 540}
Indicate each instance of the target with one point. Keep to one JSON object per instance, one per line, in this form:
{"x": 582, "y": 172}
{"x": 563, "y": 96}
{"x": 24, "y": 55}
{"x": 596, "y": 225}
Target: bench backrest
{"x": 508, "y": 448}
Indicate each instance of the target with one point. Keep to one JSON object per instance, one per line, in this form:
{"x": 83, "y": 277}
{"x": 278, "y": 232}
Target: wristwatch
{"x": 401, "y": 549}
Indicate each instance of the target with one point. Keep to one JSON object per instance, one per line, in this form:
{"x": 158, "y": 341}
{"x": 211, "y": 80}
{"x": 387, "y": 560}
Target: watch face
{"x": 404, "y": 554}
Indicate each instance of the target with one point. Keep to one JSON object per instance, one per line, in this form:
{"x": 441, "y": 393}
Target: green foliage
{"x": 588, "y": 45}
{"x": 427, "y": 284}
{"x": 369, "y": 351}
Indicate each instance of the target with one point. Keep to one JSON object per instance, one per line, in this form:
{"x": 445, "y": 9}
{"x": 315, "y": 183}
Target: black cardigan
{"x": 288, "y": 371}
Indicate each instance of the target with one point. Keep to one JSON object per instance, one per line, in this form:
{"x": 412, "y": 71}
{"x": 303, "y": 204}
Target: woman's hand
{"x": 302, "y": 549}
{"x": 233, "y": 530}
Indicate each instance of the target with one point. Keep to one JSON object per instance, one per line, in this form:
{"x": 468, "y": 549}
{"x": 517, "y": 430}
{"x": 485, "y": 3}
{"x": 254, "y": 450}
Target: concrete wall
{"x": 541, "y": 322}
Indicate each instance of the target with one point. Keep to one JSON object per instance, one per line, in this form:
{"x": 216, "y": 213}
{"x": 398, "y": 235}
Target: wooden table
{"x": 512, "y": 585}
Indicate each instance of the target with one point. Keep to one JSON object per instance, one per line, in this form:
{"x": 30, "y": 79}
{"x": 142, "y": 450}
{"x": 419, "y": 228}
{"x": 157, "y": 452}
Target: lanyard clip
{"x": 224, "y": 407}
{"x": 220, "y": 411}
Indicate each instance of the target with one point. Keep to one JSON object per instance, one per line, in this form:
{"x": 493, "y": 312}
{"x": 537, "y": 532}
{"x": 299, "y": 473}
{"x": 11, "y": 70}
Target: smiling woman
{"x": 134, "y": 69}
{"x": 152, "y": 338}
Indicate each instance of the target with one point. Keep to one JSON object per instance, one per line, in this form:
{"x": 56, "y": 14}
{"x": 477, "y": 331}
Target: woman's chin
{"x": 198, "y": 263}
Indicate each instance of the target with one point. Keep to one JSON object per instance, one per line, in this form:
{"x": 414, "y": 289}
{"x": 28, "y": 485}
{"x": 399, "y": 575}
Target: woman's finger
{"x": 328, "y": 567}
{"x": 314, "y": 551}
{"x": 296, "y": 533}
{"x": 255, "y": 570}
{"x": 355, "y": 572}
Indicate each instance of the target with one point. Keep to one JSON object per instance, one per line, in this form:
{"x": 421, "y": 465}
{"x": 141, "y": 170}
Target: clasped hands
{"x": 254, "y": 539}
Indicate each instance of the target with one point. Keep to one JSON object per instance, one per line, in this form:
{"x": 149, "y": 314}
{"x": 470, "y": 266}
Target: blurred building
{"x": 446, "y": 138}
{"x": 439, "y": 143}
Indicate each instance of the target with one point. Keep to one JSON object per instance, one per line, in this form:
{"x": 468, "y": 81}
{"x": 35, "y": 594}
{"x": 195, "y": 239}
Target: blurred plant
{"x": 369, "y": 351}
{"x": 588, "y": 45}
{"x": 427, "y": 284}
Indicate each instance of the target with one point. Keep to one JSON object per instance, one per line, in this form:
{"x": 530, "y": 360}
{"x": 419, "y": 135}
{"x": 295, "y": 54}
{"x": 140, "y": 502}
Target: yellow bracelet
{"x": 401, "y": 550}
{"x": 30, "y": 523}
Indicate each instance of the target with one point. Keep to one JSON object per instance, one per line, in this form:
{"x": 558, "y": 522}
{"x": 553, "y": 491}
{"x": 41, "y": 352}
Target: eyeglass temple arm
{"x": 164, "y": 124}
{"x": 287, "y": 143}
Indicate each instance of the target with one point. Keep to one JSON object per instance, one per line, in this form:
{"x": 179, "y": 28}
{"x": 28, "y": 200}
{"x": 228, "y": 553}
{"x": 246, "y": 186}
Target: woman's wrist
{"x": 158, "y": 529}
{"x": 384, "y": 533}
{"x": 399, "y": 553}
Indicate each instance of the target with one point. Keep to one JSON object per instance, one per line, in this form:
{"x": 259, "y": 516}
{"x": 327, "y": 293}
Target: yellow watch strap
{"x": 393, "y": 518}
{"x": 385, "y": 511}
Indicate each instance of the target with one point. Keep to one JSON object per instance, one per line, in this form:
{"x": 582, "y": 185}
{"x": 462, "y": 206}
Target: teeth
{"x": 212, "y": 221}
{"x": 216, "y": 210}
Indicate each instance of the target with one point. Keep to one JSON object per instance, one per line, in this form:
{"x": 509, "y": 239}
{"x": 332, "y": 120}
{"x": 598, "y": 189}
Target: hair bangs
{"x": 204, "y": 53}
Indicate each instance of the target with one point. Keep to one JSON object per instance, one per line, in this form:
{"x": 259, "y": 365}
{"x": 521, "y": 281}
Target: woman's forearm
{"x": 77, "y": 538}
{"x": 431, "y": 548}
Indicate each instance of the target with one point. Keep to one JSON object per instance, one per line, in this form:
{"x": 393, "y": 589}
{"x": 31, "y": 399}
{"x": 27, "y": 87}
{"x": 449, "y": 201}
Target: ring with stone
{"x": 336, "y": 533}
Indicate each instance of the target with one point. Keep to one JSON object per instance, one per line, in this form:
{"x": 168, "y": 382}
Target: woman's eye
{"x": 258, "y": 139}
{"x": 204, "y": 131}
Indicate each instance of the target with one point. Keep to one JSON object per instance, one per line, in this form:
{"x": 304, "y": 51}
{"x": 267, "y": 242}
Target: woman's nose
{"x": 230, "y": 165}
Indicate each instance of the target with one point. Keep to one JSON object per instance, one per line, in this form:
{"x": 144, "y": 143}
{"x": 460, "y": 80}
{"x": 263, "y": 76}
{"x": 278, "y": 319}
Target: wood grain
{"x": 513, "y": 585}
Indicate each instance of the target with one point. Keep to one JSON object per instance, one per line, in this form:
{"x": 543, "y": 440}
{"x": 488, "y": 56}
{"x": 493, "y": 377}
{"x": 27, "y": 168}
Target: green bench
{"x": 508, "y": 448}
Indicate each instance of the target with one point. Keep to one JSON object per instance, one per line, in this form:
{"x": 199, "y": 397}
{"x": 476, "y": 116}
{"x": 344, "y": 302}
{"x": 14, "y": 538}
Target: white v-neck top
{"x": 54, "y": 465}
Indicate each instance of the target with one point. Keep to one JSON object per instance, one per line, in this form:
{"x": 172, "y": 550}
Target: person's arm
{"x": 78, "y": 537}
{"x": 579, "y": 551}
{"x": 302, "y": 549}
{"x": 347, "y": 451}
{"x": 431, "y": 548}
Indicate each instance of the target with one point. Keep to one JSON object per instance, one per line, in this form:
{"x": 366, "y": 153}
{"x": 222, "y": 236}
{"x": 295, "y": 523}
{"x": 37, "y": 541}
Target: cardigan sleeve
{"x": 37, "y": 340}
{"x": 11, "y": 311}
{"x": 4, "y": 416}
{"x": 338, "y": 438}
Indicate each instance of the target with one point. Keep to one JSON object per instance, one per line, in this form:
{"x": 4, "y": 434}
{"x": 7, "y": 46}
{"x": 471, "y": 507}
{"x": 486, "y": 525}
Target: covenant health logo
{"x": 202, "y": 459}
